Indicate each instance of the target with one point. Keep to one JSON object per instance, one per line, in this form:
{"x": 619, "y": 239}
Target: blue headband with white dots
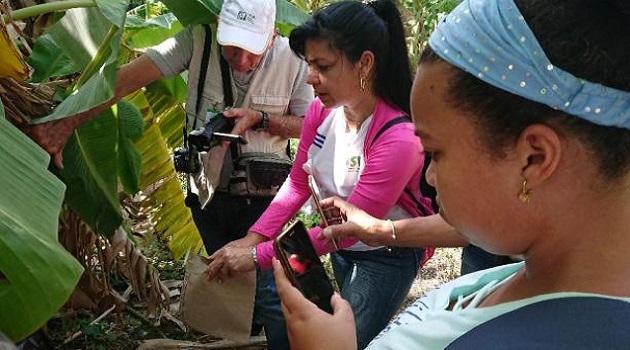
{"x": 491, "y": 40}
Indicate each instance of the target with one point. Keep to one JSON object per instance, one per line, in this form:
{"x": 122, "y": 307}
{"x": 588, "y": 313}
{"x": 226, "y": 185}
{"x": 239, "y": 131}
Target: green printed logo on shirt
{"x": 353, "y": 163}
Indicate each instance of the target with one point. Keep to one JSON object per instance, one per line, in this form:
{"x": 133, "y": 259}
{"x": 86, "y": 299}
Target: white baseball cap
{"x": 248, "y": 24}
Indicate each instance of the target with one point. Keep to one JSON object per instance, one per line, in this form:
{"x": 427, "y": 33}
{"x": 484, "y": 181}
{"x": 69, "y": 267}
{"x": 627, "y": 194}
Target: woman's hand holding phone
{"x": 330, "y": 215}
{"x": 356, "y": 224}
{"x": 294, "y": 249}
{"x": 310, "y": 327}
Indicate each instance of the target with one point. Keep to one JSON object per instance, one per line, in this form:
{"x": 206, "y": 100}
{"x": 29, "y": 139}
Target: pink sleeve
{"x": 393, "y": 162}
{"x": 294, "y": 192}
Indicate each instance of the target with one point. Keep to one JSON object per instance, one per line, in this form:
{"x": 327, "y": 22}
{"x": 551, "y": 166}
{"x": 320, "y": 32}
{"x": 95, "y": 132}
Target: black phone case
{"x": 302, "y": 265}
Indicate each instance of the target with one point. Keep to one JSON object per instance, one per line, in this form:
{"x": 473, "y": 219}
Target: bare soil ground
{"x": 122, "y": 331}
{"x": 444, "y": 266}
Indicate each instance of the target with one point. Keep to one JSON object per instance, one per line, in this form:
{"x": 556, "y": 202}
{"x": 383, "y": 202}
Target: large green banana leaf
{"x": 101, "y": 150}
{"x": 97, "y": 157}
{"x": 131, "y": 127}
{"x": 164, "y": 117}
{"x": 37, "y": 274}
{"x": 90, "y": 37}
{"x": 204, "y": 11}
{"x": 91, "y": 173}
{"x": 141, "y": 33}
{"x": 97, "y": 153}
{"x": 191, "y": 12}
{"x": 48, "y": 60}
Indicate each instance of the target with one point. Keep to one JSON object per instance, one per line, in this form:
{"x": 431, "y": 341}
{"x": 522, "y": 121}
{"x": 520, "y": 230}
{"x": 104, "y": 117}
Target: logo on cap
{"x": 245, "y": 17}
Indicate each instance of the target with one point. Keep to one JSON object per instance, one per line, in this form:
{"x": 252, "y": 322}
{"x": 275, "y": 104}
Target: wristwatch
{"x": 264, "y": 123}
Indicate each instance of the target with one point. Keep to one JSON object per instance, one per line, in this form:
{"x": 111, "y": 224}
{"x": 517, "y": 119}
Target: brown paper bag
{"x": 223, "y": 310}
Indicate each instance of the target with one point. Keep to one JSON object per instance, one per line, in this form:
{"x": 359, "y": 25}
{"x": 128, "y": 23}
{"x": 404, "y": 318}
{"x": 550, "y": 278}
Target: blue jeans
{"x": 375, "y": 283}
{"x": 475, "y": 259}
{"x": 267, "y": 311}
{"x": 225, "y": 219}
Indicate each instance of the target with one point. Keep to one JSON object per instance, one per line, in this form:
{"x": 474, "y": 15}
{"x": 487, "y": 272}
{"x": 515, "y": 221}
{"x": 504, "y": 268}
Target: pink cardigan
{"x": 391, "y": 164}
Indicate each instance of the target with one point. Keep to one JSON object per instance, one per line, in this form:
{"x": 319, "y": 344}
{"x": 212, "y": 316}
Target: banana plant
{"x": 125, "y": 149}
{"x": 93, "y": 180}
{"x": 36, "y": 273}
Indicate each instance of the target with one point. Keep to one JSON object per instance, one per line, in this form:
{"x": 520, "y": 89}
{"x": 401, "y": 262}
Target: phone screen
{"x": 302, "y": 265}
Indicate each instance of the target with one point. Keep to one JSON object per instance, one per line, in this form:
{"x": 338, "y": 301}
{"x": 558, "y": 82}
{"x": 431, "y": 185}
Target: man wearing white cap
{"x": 270, "y": 96}
{"x": 269, "y": 93}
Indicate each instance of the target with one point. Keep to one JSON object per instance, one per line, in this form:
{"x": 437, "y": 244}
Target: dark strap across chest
{"x": 557, "y": 324}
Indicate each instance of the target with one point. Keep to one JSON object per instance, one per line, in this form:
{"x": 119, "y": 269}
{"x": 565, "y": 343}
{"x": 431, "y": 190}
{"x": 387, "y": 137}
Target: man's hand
{"x": 244, "y": 119}
{"x": 310, "y": 327}
{"x": 53, "y": 136}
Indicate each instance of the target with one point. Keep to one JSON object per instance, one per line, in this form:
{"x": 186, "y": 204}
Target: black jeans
{"x": 227, "y": 218}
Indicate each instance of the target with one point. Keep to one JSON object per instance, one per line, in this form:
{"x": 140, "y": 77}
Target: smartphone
{"x": 330, "y": 216}
{"x": 302, "y": 266}
{"x": 230, "y": 137}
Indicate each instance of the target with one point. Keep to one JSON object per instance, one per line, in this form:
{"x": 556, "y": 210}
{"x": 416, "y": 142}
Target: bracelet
{"x": 264, "y": 122}
{"x": 391, "y": 224}
{"x": 254, "y": 257}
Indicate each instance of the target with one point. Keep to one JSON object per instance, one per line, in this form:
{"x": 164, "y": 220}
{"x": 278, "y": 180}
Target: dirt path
{"x": 441, "y": 268}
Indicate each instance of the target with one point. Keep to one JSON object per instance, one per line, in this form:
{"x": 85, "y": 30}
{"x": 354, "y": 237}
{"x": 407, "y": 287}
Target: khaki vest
{"x": 270, "y": 90}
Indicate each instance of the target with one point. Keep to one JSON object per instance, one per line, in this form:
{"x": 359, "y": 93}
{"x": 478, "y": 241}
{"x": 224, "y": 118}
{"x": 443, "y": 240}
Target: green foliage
{"x": 308, "y": 6}
{"x": 141, "y": 33}
{"x": 37, "y": 274}
{"x": 161, "y": 258}
{"x": 75, "y": 34}
{"x": 205, "y": 11}
{"x": 49, "y": 61}
{"x": 191, "y": 12}
{"x": 288, "y": 16}
{"x": 131, "y": 127}
{"x": 91, "y": 173}
{"x": 421, "y": 17}
{"x": 309, "y": 219}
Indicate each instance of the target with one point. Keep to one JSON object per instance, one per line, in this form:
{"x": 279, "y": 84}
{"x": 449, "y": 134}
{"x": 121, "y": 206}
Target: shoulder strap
{"x": 226, "y": 79}
{"x": 203, "y": 70}
{"x": 556, "y": 324}
{"x": 389, "y": 124}
{"x": 228, "y": 98}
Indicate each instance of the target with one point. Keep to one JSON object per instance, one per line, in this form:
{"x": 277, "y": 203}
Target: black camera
{"x": 186, "y": 160}
{"x": 216, "y": 130}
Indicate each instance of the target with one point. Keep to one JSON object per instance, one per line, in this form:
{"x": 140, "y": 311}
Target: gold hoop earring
{"x": 362, "y": 84}
{"x": 525, "y": 195}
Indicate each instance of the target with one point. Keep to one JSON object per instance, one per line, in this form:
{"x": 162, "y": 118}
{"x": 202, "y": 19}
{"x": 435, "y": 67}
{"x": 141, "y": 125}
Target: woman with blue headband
{"x": 356, "y": 143}
{"x": 525, "y": 107}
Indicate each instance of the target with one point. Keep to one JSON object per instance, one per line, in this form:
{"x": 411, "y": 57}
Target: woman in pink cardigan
{"x": 360, "y": 71}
